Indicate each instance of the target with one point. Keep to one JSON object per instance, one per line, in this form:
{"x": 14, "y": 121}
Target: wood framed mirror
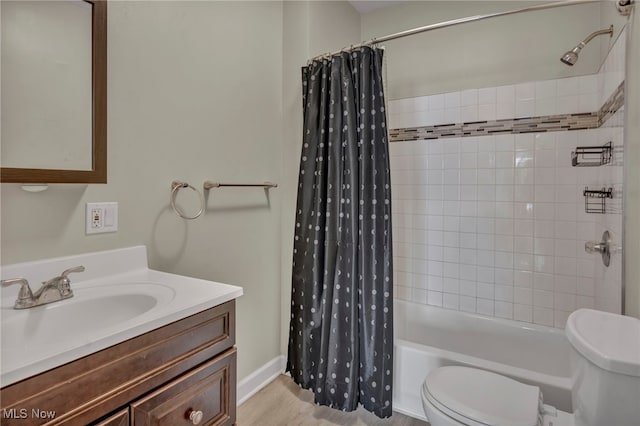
{"x": 93, "y": 116}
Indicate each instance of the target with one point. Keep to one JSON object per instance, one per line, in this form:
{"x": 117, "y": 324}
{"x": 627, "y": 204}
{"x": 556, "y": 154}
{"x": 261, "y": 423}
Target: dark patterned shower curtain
{"x": 341, "y": 334}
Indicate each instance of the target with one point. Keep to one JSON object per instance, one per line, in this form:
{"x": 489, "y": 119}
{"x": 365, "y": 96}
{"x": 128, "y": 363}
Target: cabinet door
{"x": 203, "y": 396}
{"x": 121, "y": 418}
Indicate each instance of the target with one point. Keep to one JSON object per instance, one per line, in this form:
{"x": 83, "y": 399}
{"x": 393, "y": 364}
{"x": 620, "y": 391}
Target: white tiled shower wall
{"x": 561, "y": 96}
{"x": 496, "y": 224}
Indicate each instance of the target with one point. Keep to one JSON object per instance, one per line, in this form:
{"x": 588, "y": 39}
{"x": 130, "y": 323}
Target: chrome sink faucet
{"x": 57, "y": 288}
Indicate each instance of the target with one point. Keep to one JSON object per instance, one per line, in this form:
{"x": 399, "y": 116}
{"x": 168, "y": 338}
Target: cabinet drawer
{"x": 208, "y": 389}
{"x": 121, "y": 418}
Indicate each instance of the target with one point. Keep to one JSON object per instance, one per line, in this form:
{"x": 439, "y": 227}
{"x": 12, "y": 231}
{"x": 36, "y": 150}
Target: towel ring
{"x": 177, "y": 186}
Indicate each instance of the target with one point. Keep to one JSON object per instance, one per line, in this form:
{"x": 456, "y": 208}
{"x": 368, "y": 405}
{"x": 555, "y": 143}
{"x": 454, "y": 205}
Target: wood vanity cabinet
{"x": 180, "y": 374}
{"x": 121, "y": 418}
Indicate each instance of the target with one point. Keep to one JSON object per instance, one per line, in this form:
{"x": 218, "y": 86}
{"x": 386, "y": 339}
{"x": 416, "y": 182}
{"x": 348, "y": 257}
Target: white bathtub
{"x": 428, "y": 337}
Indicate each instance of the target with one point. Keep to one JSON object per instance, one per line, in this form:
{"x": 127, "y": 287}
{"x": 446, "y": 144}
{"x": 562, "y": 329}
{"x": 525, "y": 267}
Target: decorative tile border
{"x": 612, "y": 105}
{"x": 547, "y": 123}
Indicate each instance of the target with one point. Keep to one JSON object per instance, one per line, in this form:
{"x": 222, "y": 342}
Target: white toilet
{"x": 605, "y": 367}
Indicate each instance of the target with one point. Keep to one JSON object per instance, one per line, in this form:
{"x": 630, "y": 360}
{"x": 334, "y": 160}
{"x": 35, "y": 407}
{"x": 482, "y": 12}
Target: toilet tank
{"x": 605, "y": 364}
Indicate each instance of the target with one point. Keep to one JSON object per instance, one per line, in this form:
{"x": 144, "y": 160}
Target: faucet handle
{"x": 25, "y": 296}
{"x": 603, "y": 247}
{"x": 595, "y": 247}
{"x": 64, "y": 282}
{"x": 70, "y": 270}
{"x": 11, "y": 281}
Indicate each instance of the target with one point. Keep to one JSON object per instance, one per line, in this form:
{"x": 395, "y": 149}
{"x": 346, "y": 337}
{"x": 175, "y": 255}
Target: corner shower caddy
{"x": 592, "y": 156}
{"x": 595, "y": 200}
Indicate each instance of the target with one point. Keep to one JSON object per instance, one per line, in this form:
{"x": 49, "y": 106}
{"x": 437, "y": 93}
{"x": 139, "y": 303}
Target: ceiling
{"x": 366, "y": 6}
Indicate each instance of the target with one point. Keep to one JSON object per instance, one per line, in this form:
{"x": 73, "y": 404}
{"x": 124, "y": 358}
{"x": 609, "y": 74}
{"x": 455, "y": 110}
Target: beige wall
{"x": 310, "y": 29}
{"x": 194, "y": 93}
{"x": 609, "y": 16}
{"x": 493, "y": 52}
{"x": 632, "y": 169}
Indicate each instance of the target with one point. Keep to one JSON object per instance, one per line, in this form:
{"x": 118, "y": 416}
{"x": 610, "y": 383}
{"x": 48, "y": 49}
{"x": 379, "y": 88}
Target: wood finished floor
{"x": 283, "y": 403}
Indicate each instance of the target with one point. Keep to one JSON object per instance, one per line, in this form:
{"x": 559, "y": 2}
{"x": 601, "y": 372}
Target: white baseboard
{"x": 260, "y": 378}
{"x": 410, "y": 413}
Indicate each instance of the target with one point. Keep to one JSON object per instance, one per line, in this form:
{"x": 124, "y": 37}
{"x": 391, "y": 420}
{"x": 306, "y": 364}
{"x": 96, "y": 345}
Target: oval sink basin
{"x": 91, "y": 312}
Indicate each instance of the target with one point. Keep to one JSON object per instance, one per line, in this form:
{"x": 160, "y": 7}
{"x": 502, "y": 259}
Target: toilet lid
{"x": 483, "y": 397}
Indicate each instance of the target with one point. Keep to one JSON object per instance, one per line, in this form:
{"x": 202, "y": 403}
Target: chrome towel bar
{"x": 266, "y": 185}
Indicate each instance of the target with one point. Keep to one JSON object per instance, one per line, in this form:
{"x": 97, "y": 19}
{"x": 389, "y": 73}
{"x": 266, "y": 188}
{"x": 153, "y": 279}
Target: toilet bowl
{"x": 606, "y": 388}
{"x": 469, "y": 396}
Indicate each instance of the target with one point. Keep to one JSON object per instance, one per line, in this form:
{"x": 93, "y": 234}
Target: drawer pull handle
{"x": 195, "y": 416}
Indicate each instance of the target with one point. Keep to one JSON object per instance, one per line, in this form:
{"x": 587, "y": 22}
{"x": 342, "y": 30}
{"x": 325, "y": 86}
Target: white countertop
{"x": 37, "y": 339}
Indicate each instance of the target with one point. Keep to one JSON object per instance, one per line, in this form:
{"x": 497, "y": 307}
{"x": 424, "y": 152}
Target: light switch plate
{"x": 101, "y": 217}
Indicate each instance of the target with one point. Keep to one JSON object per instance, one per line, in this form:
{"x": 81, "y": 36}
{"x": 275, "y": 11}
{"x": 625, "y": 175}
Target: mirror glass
{"x": 54, "y": 91}
{"x": 46, "y": 84}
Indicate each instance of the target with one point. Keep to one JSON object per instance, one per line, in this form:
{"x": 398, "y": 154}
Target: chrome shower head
{"x": 571, "y": 56}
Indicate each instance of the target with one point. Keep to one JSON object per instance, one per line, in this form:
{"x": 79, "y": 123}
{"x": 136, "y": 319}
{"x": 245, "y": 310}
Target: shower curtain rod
{"x": 453, "y": 22}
